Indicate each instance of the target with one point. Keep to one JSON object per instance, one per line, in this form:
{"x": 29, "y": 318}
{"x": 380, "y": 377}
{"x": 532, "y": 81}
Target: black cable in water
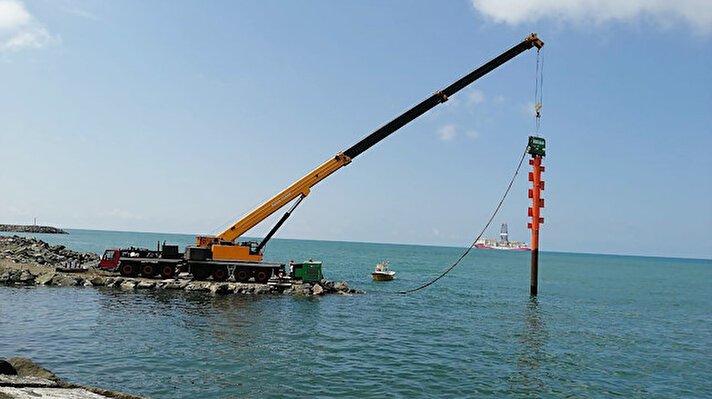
{"x": 478, "y": 237}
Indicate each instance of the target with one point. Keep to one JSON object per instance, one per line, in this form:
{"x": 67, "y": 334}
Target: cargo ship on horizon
{"x": 503, "y": 243}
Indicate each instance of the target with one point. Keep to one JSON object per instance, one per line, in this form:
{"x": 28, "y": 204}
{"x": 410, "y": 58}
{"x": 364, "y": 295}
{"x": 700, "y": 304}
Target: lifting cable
{"x": 516, "y": 172}
{"x": 538, "y": 99}
{"x": 539, "y": 90}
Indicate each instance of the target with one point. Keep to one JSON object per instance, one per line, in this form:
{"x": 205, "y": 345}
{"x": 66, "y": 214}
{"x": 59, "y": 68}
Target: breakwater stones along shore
{"x": 20, "y": 378}
{"x": 30, "y": 250}
{"x": 31, "y": 228}
{"x": 30, "y": 262}
{"x": 24, "y": 277}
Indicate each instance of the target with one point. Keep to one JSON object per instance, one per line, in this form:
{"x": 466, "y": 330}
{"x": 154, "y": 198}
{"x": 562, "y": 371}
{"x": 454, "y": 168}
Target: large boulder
{"x": 219, "y": 289}
{"x": 15, "y": 275}
{"x": 327, "y": 285}
{"x": 27, "y": 368}
{"x": 241, "y": 288}
{"x": 26, "y": 277}
{"x": 173, "y": 284}
{"x": 65, "y": 281}
{"x": 262, "y": 289}
{"x": 45, "y": 279}
{"x": 317, "y": 290}
{"x": 128, "y": 285}
{"x": 302, "y": 287}
{"x": 113, "y": 281}
{"x": 148, "y": 285}
{"x": 98, "y": 281}
{"x": 198, "y": 286}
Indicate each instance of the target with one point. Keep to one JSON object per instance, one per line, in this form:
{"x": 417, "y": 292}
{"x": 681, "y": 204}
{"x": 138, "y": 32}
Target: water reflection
{"x": 230, "y": 324}
{"x": 530, "y": 373}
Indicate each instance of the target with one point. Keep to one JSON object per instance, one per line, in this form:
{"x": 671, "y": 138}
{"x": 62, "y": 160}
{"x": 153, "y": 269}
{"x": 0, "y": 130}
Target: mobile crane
{"x": 221, "y": 256}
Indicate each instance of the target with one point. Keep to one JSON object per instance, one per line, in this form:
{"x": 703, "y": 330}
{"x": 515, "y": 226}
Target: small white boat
{"x": 382, "y": 273}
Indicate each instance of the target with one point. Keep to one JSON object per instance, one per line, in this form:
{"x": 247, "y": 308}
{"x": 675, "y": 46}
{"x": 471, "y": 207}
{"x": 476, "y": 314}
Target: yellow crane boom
{"x": 223, "y": 246}
{"x": 300, "y": 188}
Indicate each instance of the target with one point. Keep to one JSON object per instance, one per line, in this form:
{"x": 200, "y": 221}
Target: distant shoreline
{"x": 21, "y": 228}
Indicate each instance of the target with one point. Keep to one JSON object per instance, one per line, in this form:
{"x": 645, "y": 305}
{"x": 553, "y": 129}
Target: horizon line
{"x": 388, "y": 243}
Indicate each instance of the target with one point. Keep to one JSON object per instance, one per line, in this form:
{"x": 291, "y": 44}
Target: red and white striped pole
{"x": 536, "y": 149}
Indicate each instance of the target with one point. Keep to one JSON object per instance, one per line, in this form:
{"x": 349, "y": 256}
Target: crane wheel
{"x": 200, "y": 272}
{"x": 148, "y": 270}
{"x": 128, "y": 270}
{"x": 261, "y": 277}
{"x": 167, "y": 271}
{"x": 220, "y": 273}
{"x": 242, "y": 276}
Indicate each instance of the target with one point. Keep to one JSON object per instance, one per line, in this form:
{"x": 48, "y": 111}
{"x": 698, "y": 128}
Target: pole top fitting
{"x": 534, "y": 40}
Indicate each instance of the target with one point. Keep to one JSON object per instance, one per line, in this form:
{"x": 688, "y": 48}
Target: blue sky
{"x": 182, "y": 116}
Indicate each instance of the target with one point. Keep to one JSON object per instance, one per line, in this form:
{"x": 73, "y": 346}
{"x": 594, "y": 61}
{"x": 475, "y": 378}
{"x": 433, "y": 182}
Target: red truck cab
{"x": 110, "y": 259}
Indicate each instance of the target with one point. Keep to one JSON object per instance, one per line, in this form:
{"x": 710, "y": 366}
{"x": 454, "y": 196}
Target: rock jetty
{"x": 20, "y": 378}
{"x": 30, "y": 250}
{"x": 31, "y": 228}
{"x": 25, "y": 277}
{"x": 30, "y": 262}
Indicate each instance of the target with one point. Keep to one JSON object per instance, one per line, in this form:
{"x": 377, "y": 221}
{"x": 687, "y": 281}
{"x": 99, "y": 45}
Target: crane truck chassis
{"x": 167, "y": 262}
{"x": 221, "y": 256}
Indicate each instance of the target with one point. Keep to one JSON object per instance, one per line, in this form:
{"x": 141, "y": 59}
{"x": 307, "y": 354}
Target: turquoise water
{"x": 603, "y": 326}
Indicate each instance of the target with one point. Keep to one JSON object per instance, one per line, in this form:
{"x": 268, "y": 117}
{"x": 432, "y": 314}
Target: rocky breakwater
{"x": 20, "y": 378}
{"x": 25, "y": 277}
{"x": 29, "y": 250}
{"x": 22, "y": 228}
{"x": 28, "y": 262}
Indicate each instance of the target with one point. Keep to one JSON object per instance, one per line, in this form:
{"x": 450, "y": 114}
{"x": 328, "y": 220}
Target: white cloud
{"x": 19, "y": 29}
{"x": 696, "y": 13}
{"x": 83, "y": 13}
{"x": 475, "y": 97}
{"x": 473, "y": 134}
{"x": 447, "y": 132}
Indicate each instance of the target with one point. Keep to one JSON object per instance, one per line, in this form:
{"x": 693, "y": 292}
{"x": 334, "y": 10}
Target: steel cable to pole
{"x": 506, "y": 192}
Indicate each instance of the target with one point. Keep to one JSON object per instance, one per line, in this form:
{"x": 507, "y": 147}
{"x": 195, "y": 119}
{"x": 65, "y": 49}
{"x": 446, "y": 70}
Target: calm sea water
{"x": 602, "y": 326}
